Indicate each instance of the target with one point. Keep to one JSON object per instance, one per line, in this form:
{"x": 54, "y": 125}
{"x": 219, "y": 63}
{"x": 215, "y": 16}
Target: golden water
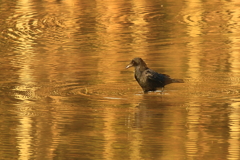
{"x": 65, "y": 92}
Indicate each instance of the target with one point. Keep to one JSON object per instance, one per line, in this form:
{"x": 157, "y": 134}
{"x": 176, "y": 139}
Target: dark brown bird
{"x": 148, "y": 79}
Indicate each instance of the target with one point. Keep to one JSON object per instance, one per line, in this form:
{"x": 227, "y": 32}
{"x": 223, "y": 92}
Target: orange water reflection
{"x": 65, "y": 92}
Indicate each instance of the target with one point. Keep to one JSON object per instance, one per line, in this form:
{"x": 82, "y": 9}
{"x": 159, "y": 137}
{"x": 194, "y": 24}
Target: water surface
{"x": 65, "y": 92}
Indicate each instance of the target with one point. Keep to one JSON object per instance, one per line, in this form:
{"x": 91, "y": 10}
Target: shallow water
{"x": 65, "y": 92}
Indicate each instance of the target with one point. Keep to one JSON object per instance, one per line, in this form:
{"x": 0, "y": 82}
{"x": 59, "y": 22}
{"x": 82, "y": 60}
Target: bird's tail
{"x": 177, "y": 81}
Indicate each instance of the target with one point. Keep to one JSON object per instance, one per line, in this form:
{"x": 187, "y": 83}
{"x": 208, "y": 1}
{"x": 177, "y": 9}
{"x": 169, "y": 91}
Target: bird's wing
{"x": 166, "y": 75}
{"x": 154, "y": 76}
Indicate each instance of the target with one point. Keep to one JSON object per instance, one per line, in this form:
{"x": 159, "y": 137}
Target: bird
{"x": 148, "y": 79}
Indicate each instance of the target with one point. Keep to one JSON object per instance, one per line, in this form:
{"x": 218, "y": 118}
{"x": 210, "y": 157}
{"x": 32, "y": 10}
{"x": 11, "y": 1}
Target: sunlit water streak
{"x": 66, "y": 94}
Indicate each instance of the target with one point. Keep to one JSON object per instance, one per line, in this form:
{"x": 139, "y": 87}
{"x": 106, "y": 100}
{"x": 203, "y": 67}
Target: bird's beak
{"x": 128, "y": 66}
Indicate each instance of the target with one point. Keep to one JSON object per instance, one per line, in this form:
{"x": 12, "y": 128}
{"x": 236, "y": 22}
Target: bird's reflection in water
{"x": 154, "y": 108}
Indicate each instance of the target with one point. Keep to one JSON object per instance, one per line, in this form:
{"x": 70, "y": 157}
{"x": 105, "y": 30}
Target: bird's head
{"x": 136, "y": 62}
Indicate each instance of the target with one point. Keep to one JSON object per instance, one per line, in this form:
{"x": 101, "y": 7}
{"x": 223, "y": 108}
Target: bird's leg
{"x": 162, "y": 90}
{"x": 145, "y": 92}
